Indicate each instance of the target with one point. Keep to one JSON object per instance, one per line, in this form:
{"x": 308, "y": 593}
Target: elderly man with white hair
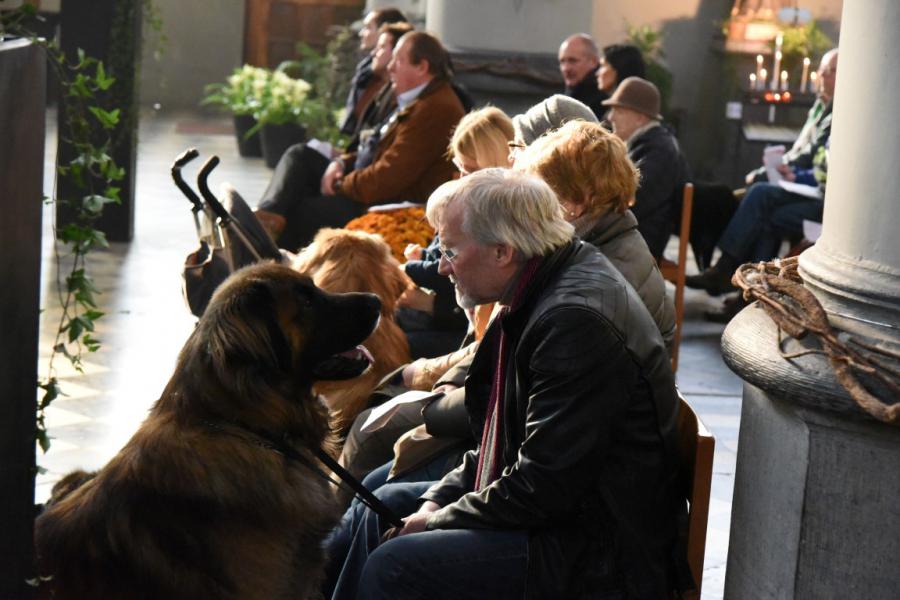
{"x": 573, "y": 489}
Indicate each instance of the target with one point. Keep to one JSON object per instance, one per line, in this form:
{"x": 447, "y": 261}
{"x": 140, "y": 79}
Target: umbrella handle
{"x": 184, "y": 158}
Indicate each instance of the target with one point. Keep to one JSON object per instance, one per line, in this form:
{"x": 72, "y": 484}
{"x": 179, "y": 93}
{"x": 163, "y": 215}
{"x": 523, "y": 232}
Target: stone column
{"x": 855, "y": 265}
{"x": 817, "y": 482}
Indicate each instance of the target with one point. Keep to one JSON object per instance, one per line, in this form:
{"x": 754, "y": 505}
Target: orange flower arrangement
{"x": 397, "y": 227}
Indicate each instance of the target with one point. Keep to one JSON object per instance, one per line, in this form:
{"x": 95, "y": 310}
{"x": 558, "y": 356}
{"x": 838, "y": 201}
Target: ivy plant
{"x": 90, "y": 124}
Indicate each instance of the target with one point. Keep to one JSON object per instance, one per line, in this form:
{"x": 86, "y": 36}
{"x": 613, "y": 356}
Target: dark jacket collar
{"x": 549, "y": 268}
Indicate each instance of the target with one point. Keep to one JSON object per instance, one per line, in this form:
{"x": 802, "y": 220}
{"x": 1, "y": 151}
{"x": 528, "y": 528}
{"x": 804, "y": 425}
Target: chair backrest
{"x": 674, "y": 272}
{"x": 696, "y": 446}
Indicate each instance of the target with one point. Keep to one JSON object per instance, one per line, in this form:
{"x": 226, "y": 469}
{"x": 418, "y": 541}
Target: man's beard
{"x": 465, "y": 301}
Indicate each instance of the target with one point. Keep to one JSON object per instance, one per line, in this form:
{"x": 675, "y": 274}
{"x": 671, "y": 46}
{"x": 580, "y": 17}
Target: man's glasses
{"x": 448, "y": 253}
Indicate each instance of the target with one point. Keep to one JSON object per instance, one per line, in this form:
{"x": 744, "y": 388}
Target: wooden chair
{"x": 696, "y": 445}
{"x": 674, "y": 272}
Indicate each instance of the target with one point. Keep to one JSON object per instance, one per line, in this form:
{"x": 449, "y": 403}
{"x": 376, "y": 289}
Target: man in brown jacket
{"x": 403, "y": 159}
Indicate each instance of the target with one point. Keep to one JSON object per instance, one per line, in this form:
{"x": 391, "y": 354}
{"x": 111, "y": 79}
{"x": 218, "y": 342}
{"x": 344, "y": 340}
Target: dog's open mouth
{"x": 344, "y": 365}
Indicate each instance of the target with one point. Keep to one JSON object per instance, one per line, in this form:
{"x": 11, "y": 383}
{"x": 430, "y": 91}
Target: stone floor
{"x": 147, "y": 322}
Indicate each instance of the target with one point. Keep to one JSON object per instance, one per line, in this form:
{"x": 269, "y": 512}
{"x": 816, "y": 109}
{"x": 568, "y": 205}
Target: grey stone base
{"x": 816, "y": 509}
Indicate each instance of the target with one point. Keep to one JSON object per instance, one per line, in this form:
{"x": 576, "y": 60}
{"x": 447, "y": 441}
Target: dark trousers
{"x": 452, "y": 564}
{"x": 294, "y": 193}
{"x": 766, "y": 215}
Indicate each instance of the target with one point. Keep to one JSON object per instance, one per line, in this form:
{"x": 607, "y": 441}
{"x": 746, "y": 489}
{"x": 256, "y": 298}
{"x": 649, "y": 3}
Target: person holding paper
{"x": 771, "y": 212}
{"x": 574, "y": 489}
{"x": 815, "y": 132}
{"x": 767, "y": 214}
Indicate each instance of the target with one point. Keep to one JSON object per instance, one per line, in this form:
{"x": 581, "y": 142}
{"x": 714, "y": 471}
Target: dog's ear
{"x": 248, "y": 334}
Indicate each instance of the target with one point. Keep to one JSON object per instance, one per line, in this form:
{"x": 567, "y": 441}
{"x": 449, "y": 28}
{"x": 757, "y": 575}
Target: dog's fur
{"x": 198, "y": 504}
{"x": 340, "y": 260}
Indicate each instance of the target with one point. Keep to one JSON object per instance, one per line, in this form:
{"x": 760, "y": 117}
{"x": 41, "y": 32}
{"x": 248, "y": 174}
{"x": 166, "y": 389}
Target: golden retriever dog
{"x": 339, "y": 260}
{"x": 219, "y": 493}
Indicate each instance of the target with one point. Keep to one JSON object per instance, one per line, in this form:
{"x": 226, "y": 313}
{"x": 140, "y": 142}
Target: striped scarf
{"x": 490, "y": 453}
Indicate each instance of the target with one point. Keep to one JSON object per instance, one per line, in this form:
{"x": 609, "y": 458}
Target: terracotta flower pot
{"x": 278, "y": 138}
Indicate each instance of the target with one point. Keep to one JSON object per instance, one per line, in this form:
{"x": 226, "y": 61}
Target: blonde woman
{"x": 589, "y": 169}
{"x": 481, "y": 140}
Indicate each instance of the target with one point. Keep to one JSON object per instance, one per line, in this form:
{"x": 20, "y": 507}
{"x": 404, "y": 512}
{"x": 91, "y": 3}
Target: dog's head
{"x": 341, "y": 260}
{"x": 266, "y": 336}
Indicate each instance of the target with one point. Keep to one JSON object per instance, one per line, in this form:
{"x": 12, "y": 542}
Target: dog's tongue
{"x": 358, "y": 353}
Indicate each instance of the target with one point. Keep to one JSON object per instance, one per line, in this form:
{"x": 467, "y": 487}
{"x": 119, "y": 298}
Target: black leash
{"x": 360, "y": 491}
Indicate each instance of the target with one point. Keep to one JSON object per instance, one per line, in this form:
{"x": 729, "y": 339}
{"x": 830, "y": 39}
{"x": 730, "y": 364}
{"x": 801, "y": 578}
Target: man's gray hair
{"x": 500, "y": 206}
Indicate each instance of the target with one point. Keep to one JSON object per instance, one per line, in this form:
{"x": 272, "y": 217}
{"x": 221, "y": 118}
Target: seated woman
{"x": 596, "y": 182}
{"x": 618, "y": 62}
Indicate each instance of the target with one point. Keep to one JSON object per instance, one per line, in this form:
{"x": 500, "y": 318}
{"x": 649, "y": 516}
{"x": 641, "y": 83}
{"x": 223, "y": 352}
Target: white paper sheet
{"x": 799, "y": 188}
{"x": 380, "y": 415}
{"x": 772, "y": 159}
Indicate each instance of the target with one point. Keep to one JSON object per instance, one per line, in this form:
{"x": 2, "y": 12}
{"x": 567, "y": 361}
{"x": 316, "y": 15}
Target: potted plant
{"x": 282, "y": 114}
{"x": 242, "y": 95}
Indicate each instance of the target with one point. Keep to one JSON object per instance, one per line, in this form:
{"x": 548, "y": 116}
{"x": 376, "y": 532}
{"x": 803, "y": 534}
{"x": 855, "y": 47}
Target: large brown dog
{"x": 339, "y": 260}
{"x": 218, "y": 495}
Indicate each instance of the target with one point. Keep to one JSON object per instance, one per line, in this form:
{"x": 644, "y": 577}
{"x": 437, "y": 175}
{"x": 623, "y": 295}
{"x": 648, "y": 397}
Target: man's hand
{"x": 415, "y": 523}
{"x": 334, "y": 172}
{"x": 786, "y": 172}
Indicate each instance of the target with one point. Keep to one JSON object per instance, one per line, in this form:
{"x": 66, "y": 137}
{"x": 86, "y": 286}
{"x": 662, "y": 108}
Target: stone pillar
{"x": 817, "y": 482}
{"x": 855, "y": 265}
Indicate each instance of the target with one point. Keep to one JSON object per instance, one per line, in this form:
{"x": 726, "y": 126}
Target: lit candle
{"x": 804, "y": 76}
{"x": 813, "y": 82}
{"x": 752, "y": 81}
{"x": 779, "y": 39}
{"x": 759, "y": 63}
{"x": 776, "y": 69}
{"x": 761, "y": 82}
{"x": 784, "y": 81}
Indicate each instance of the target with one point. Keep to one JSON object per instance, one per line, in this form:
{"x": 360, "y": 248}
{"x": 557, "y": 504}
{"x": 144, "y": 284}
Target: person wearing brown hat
{"x": 651, "y": 146}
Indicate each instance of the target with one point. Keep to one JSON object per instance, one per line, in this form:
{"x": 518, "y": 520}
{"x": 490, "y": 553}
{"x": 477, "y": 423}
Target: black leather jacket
{"x": 589, "y": 446}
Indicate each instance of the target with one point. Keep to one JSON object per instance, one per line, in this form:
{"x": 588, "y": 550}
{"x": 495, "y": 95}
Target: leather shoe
{"x": 713, "y": 281}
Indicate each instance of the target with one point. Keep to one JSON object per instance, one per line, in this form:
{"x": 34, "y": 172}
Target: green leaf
{"x": 43, "y": 440}
{"x": 51, "y": 392}
{"x": 104, "y": 82}
{"x": 91, "y": 343}
{"x": 75, "y": 329}
{"x": 93, "y": 315}
{"x": 93, "y": 204}
{"x": 107, "y": 119}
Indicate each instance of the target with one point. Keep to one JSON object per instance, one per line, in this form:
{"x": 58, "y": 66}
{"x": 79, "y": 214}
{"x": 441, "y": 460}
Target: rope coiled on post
{"x": 778, "y": 287}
